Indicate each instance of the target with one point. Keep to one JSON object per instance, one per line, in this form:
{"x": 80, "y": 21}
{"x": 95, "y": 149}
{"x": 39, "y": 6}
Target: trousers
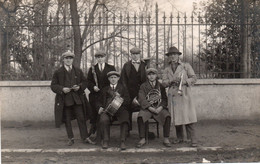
{"x": 190, "y": 130}
{"x": 142, "y": 125}
{"x": 77, "y": 111}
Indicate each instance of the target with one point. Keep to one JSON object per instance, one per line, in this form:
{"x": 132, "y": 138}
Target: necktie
{"x": 101, "y": 68}
{"x": 69, "y": 70}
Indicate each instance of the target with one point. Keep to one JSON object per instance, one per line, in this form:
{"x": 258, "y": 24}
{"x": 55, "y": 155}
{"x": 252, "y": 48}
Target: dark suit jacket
{"x": 125, "y": 76}
{"x": 57, "y": 85}
{"x": 101, "y": 77}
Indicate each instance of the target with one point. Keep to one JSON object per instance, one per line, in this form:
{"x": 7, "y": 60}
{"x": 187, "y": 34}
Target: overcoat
{"x": 57, "y": 85}
{"x": 107, "y": 95}
{"x": 181, "y": 107}
{"x": 125, "y": 76}
{"x": 145, "y": 88}
{"x": 102, "y": 82}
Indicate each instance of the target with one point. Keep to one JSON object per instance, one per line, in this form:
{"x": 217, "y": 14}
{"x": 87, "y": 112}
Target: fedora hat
{"x": 173, "y": 50}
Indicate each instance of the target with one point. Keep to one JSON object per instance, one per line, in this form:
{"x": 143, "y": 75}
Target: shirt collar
{"x": 111, "y": 85}
{"x": 68, "y": 67}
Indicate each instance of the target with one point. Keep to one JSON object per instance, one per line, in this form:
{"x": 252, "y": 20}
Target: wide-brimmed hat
{"x": 151, "y": 70}
{"x": 68, "y": 54}
{"x": 113, "y": 73}
{"x": 100, "y": 53}
{"x": 135, "y": 50}
{"x": 173, "y": 50}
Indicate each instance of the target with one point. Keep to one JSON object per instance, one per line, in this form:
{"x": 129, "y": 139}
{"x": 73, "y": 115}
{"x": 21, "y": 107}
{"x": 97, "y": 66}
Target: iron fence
{"x": 32, "y": 51}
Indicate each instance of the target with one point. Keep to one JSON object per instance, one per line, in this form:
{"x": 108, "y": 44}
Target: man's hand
{"x": 100, "y": 110}
{"x": 75, "y": 87}
{"x": 96, "y": 89}
{"x": 159, "y": 109}
{"x": 66, "y": 90}
{"x": 152, "y": 109}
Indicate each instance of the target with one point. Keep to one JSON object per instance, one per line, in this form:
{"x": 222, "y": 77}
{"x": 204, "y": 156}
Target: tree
{"x": 228, "y": 36}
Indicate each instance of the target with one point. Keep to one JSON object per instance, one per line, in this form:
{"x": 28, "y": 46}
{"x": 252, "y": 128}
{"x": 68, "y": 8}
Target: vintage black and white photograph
{"x": 129, "y": 81}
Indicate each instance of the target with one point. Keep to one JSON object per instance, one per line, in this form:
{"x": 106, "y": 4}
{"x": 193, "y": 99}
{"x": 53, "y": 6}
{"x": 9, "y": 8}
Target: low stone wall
{"x": 215, "y": 99}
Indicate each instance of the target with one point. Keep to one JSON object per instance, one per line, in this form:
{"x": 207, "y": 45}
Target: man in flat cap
{"x": 97, "y": 79}
{"x": 69, "y": 83}
{"x": 132, "y": 76}
{"x": 111, "y": 96}
{"x": 179, "y": 77}
{"x": 153, "y": 100}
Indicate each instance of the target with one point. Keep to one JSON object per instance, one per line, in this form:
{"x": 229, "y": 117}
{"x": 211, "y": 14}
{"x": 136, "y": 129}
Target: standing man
{"x": 153, "y": 101}
{"x": 132, "y": 76}
{"x": 69, "y": 83}
{"x": 97, "y": 79}
{"x": 115, "y": 92}
{"x": 179, "y": 77}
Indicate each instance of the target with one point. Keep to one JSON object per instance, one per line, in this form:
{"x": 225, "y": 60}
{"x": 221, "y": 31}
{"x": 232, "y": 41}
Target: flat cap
{"x": 135, "y": 50}
{"x": 151, "y": 70}
{"x": 113, "y": 73}
{"x": 173, "y": 50}
{"x": 100, "y": 53}
{"x": 68, "y": 53}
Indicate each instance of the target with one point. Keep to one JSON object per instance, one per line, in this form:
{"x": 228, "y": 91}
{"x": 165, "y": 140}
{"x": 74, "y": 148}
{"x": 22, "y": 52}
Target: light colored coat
{"x": 181, "y": 107}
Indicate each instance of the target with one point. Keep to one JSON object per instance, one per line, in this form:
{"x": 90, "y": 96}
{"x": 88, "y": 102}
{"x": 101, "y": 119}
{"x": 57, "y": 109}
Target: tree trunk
{"x": 76, "y": 31}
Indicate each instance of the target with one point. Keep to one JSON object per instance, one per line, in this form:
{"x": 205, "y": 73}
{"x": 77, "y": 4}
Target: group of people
{"x": 115, "y": 96}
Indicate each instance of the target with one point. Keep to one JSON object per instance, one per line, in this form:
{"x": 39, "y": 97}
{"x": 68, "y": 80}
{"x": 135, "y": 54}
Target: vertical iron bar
{"x": 192, "y": 62}
{"x": 157, "y": 37}
{"x": 128, "y": 30}
{"x": 121, "y": 56}
{"x": 184, "y": 43}
{"x": 114, "y": 41}
{"x": 164, "y": 40}
{"x": 199, "y": 44}
{"x": 135, "y": 27}
{"x": 178, "y": 21}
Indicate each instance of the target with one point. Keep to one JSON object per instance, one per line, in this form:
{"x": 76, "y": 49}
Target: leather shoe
{"x": 177, "y": 141}
{"x": 70, "y": 142}
{"x": 88, "y": 140}
{"x": 122, "y": 146}
{"x": 140, "y": 144}
{"x": 104, "y": 145}
{"x": 167, "y": 144}
{"x": 194, "y": 145}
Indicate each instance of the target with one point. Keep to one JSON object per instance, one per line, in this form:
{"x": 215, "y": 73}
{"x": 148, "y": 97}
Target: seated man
{"x": 153, "y": 100}
{"x": 109, "y": 93}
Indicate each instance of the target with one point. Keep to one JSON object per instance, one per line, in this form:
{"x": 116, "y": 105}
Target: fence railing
{"x": 32, "y": 51}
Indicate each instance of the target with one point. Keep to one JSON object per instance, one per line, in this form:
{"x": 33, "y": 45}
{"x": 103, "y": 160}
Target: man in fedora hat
{"x": 153, "y": 108}
{"x": 69, "y": 83}
{"x": 108, "y": 94}
{"x": 179, "y": 77}
{"x": 97, "y": 79}
{"x": 132, "y": 76}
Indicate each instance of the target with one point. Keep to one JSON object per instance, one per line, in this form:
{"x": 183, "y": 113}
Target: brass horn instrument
{"x": 154, "y": 97}
{"x": 180, "y": 92}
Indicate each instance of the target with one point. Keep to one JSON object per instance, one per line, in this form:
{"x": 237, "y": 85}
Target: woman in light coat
{"x": 180, "y": 102}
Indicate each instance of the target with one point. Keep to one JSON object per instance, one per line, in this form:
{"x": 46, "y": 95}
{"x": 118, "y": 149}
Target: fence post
{"x": 156, "y": 33}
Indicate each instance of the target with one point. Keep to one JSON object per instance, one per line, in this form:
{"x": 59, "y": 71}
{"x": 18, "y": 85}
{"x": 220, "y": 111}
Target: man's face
{"x": 151, "y": 77}
{"x": 68, "y": 60}
{"x": 135, "y": 57}
{"x": 174, "y": 57}
{"x": 113, "y": 79}
{"x": 100, "y": 59}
